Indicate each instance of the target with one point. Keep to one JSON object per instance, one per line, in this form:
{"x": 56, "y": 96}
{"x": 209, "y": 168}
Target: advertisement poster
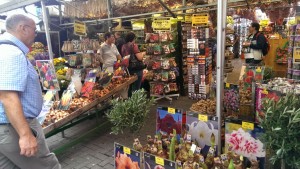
{"x": 242, "y": 138}
{"x": 126, "y": 158}
{"x": 154, "y": 162}
{"x": 203, "y": 130}
{"x": 168, "y": 119}
{"x": 47, "y": 75}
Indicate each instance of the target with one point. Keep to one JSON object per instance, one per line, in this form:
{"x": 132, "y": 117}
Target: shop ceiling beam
{"x": 221, "y": 27}
{"x": 167, "y": 8}
{"x": 15, "y": 4}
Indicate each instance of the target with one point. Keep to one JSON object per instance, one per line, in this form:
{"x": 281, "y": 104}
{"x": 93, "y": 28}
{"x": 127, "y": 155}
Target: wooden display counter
{"x": 279, "y": 69}
{"x": 86, "y": 108}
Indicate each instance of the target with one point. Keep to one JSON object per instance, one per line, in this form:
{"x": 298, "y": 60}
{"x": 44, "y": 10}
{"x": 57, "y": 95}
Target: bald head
{"x": 13, "y": 21}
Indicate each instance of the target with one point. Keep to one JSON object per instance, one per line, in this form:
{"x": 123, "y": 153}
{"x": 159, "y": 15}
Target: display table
{"x": 86, "y": 108}
{"x": 279, "y": 69}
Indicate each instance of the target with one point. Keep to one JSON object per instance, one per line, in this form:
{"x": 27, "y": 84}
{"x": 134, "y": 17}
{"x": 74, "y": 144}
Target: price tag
{"x": 188, "y": 18}
{"x": 193, "y": 148}
{"x": 161, "y": 24}
{"x": 126, "y": 150}
{"x": 296, "y": 55}
{"x": 79, "y": 28}
{"x": 171, "y": 110}
{"x": 265, "y": 91}
{"x": 227, "y": 85}
{"x": 203, "y": 117}
{"x": 199, "y": 19}
{"x": 258, "y": 69}
{"x": 159, "y": 161}
{"x": 247, "y": 125}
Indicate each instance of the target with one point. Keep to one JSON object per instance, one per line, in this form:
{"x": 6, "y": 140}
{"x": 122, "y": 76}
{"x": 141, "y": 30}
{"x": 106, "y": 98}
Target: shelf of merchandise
{"x": 53, "y": 126}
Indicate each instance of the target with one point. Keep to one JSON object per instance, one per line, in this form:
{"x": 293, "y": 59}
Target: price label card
{"x": 265, "y": 91}
{"x": 203, "y": 117}
{"x": 193, "y": 148}
{"x": 161, "y": 24}
{"x": 79, "y": 28}
{"x": 227, "y": 85}
{"x": 258, "y": 69}
{"x": 247, "y": 125}
{"x": 199, "y": 19}
{"x": 126, "y": 150}
{"x": 171, "y": 110}
{"x": 159, "y": 161}
{"x": 296, "y": 55}
{"x": 188, "y": 18}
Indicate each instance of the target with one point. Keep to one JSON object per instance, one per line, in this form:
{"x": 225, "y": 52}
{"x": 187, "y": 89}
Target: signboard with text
{"x": 200, "y": 19}
{"x": 79, "y": 28}
{"x": 161, "y": 24}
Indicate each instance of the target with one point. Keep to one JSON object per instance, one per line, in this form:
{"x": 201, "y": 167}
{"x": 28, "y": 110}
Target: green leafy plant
{"x": 131, "y": 113}
{"x": 282, "y": 130}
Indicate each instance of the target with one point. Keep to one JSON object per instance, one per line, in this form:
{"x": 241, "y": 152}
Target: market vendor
{"x": 22, "y": 140}
{"x": 108, "y": 53}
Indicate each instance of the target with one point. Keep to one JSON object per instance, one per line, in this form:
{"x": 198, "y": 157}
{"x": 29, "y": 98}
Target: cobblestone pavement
{"x": 97, "y": 152}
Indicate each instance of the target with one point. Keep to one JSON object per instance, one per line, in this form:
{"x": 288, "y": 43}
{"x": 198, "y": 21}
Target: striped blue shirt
{"x": 17, "y": 74}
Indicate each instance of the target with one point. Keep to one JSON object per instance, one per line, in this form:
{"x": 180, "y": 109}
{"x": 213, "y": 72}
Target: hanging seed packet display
{"x": 166, "y": 49}
{"x": 163, "y": 36}
{"x": 172, "y": 47}
{"x": 126, "y": 157}
{"x": 47, "y": 75}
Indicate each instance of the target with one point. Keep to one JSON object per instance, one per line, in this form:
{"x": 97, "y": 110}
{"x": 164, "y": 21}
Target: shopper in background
{"x": 22, "y": 140}
{"x": 255, "y": 44}
{"x": 108, "y": 53}
{"x": 119, "y": 42}
{"x": 131, "y": 48}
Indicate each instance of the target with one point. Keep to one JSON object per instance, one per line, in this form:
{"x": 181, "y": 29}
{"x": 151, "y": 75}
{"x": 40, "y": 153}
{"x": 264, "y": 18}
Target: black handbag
{"x": 134, "y": 63}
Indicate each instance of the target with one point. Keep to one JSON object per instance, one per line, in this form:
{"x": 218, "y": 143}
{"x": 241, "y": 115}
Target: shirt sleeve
{"x": 116, "y": 50}
{"x": 136, "y": 48}
{"x": 13, "y": 71}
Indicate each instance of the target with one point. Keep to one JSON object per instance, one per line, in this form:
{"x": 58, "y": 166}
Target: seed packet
{"x": 157, "y": 50}
{"x": 154, "y": 38}
{"x": 172, "y": 75}
{"x": 164, "y": 76}
{"x": 170, "y": 36}
{"x": 166, "y": 49}
{"x": 87, "y": 60}
{"x": 157, "y": 77}
{"x": 163, "y": 36}
{"x": 166, "y": 64}
{"x": 171, "y": 47}
{"x": 156, "y": 65}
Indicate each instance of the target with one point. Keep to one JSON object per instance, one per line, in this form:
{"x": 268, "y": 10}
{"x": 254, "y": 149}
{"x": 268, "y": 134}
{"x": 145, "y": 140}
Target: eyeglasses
{"x": 34, "y": 29}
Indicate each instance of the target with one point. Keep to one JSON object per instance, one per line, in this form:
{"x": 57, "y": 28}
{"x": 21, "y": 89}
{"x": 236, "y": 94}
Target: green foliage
{"x": 131, "y": 113}
{"x": 268, "y": 73}
{"x": 282, "y": 129}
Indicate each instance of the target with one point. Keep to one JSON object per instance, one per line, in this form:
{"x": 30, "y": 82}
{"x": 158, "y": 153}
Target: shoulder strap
{"x": 8, "y": 42}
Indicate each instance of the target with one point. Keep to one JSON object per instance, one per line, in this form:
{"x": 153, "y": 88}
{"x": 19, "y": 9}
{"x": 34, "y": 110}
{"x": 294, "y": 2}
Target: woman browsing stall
{"x": 136, "y": 65}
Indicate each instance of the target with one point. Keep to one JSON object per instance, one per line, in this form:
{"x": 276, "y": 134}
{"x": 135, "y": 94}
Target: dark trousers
{"x": 137, "y": 84}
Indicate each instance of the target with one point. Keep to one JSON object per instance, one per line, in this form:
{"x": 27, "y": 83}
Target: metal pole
{"x": 46, "y": 24}
{"x": 109, "y": 15}
{"x": 221, "y": 25}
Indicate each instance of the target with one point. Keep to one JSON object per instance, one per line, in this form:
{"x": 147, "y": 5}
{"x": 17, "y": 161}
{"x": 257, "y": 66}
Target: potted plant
{"x": 131, "y": 113}
{"x": 282, "y": 129}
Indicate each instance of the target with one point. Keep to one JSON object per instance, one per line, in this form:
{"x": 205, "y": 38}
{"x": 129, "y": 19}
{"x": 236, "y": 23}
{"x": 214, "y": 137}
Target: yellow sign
{"x": 127, "y": 150}
{"x": 200, "y": 19}
{"x": 258, "y": 70}
{"x": 264, "y": 22}
{"x": 265, "y": 91}
{"x": 161, "y": 24}
{"x": 247, "y": 125}
{"x": 296, "y": 55}
{"x": 79, "y": 28}
{"x": 171, "y": 110}
{"x": 203, "y": 117}
{"x": 227, "y": 85}
{"x": 159, "y": 161}
{"x": 188, "y": 18}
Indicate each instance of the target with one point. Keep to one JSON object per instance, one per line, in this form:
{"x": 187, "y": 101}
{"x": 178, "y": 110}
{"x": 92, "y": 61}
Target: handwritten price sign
{"x": 161, "y": 24}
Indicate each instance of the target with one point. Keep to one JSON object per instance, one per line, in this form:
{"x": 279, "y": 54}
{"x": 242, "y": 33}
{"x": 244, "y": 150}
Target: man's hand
{"x": 28, "y": 145}
{"x": 246, "y": 44}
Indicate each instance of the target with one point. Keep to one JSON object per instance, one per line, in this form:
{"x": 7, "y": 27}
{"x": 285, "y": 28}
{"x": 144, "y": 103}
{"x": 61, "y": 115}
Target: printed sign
{"x": 200, "y": 19}
{"x": 161, "y": 24}
{"x": 296, "y": 55}
{"x": 47, "y": 75}
{"x": 79, "y": 28}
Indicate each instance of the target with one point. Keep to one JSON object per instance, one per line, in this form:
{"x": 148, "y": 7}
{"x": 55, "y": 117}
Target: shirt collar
{"x": 16, "y": 41}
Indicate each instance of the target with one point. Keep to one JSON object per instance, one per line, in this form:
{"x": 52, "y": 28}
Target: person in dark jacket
{"x": 120, "y": 41}
{"x": 256, "y": 43}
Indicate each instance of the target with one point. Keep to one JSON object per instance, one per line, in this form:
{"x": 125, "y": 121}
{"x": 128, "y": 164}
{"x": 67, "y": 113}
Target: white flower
{"x": 201, "y": 133}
